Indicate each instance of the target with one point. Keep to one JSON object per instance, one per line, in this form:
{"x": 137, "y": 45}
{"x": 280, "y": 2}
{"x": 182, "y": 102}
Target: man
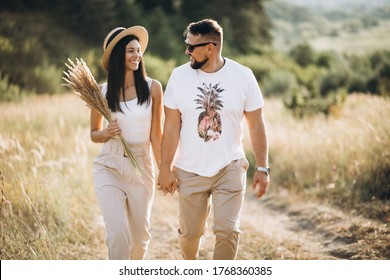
{"x": 202, "y": 152}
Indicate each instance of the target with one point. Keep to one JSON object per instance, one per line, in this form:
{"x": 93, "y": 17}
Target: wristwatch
{"x": 263, "y": 169}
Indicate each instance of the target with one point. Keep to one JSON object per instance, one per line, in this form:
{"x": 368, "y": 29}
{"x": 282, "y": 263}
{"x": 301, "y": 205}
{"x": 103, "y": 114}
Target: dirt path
{"x": 273, "y": 229}
{"x": 312, "y": 231}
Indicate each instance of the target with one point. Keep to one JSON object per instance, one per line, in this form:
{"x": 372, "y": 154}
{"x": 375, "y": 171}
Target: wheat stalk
{"x": 81, "y": 81}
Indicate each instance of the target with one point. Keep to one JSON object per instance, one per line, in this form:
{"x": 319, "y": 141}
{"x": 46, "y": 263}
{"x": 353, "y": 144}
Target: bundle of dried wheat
{"x": 81, "y": 81}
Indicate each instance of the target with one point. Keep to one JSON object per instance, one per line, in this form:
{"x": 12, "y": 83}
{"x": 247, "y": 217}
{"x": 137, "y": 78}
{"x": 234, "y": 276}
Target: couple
{"x": 200, "y": 154}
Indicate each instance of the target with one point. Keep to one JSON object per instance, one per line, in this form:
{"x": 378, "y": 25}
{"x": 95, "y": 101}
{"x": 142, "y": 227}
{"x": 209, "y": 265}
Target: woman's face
{"x": 133, "y": 55}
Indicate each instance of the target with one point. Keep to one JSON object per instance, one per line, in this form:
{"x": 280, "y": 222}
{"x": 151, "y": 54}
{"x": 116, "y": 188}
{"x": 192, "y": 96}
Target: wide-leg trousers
{"x": 124, "y": 200}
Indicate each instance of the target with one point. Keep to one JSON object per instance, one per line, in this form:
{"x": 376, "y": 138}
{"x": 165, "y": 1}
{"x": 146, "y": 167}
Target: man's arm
{"x": 156, "y": 127}
{"x": 259, "y": 140}
{"x": 170, "y": 140}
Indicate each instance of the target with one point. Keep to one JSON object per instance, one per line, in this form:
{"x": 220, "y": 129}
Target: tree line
{"x": 37, "y": 37}
{"x": 246, "y": 24}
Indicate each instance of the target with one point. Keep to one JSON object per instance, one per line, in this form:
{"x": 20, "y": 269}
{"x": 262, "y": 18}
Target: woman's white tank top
{"x": 136, "y": 120}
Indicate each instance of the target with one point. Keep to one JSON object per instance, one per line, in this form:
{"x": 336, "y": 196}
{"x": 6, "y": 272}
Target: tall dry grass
{"x": 343, "y": 159}
{"x": 48, "y": 208}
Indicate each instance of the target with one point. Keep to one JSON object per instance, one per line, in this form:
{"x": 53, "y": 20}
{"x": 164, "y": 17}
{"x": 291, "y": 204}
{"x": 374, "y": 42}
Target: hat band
{"x": 113, "y": 36}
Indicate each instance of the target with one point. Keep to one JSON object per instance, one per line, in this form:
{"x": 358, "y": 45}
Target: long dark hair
{"x": 116, "y": 77}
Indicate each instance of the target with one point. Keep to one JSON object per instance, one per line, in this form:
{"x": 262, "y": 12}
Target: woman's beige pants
{"x": 124, "y": 200}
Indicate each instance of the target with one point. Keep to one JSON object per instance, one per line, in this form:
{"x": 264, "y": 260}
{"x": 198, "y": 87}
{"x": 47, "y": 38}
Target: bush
{"x": 158, "y": 68}
{"x": 46, "y": 79}
{"x": 303, "y": 54}
{"x": 279, "y": 82}
{"x": 302, "y": 103}
{"x": 260, "y": 66}
{"x": 333, "y": 81}
{"x": 352, "y": 25}
{"x": 10, "y": 92}
{"x": 325, "y": 59}
{"x": 384, "y": 79}
{"x": 357, "y": 83}
{"x": 359, "y": 73}
{"x": 380, "y": 82}
{"x": 310, "y": 78}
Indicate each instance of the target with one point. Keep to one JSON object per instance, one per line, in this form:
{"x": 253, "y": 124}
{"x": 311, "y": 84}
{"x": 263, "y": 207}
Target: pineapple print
{"x": 209, "y": 120}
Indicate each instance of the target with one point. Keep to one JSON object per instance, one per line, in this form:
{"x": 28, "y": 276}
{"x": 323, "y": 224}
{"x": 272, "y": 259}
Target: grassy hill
{"x": 365, "y": 40}
{"x": 337, "y": 4}
{"x": 358, "y": 28}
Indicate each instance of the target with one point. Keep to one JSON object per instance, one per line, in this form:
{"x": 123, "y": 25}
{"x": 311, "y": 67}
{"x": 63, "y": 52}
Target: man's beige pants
{"x": 227, "y": 190}
{"x": 124, "y": 200}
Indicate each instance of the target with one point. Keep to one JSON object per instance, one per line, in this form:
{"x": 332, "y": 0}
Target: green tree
{"x": 248, "y": 25}
{"x": 168, "y": 6}
{"x": 303, "y": 54}
{"x": 166, "y": 42}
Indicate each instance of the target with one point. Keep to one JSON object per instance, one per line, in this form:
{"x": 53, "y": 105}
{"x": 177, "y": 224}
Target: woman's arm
{"x": 100, "y": 134}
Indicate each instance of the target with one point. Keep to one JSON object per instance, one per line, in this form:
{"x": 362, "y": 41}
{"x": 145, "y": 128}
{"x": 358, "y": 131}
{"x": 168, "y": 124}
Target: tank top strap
{"x": 103, "y": 88}
{"x": 149, "y": 81}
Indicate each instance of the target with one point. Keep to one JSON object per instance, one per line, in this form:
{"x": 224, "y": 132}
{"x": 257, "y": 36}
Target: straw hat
{"x": 138, "y": 31}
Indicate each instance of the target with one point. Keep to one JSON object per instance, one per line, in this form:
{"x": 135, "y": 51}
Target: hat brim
{"x": 138, "y": 31}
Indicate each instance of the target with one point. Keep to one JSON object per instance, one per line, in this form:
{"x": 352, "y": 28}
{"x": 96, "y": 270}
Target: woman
{"x": 135, "y": 101}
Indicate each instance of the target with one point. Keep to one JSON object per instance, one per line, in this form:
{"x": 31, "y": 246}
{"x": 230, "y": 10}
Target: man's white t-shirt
{"x": 212, "y": 109}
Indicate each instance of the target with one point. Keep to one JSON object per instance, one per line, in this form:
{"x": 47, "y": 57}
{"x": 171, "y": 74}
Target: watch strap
{"x": 263, "y": 169}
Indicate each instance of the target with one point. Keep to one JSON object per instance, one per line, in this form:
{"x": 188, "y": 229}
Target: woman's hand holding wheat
{"x": 113, "y": 129}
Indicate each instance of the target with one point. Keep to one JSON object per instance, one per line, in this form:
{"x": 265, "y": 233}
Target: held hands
{"x": 167, "y": 181}
{"x": 262, "y": 180}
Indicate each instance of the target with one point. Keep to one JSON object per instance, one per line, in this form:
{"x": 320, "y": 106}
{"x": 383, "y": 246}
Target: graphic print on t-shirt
{"x": 209, "y": 120}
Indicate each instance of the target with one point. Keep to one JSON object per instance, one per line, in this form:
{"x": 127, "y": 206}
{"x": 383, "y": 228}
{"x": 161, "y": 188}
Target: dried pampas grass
{"x": 81, "y": 81}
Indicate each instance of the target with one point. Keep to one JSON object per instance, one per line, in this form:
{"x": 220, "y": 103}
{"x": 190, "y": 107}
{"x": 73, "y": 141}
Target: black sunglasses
{"x": 191, "y": 48}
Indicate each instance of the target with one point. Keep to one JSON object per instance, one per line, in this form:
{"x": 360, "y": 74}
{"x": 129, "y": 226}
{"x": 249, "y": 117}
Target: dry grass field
{"x": 317, "y": 207}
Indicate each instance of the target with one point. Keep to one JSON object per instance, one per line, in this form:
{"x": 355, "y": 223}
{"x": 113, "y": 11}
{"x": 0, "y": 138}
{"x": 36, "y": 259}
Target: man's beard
{"x": 198, "y": 64}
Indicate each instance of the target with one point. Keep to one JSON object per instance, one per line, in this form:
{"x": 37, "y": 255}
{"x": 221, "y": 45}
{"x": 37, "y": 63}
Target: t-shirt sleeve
{"x": 253, "y": 96}
{"x": 169, "y": 95}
